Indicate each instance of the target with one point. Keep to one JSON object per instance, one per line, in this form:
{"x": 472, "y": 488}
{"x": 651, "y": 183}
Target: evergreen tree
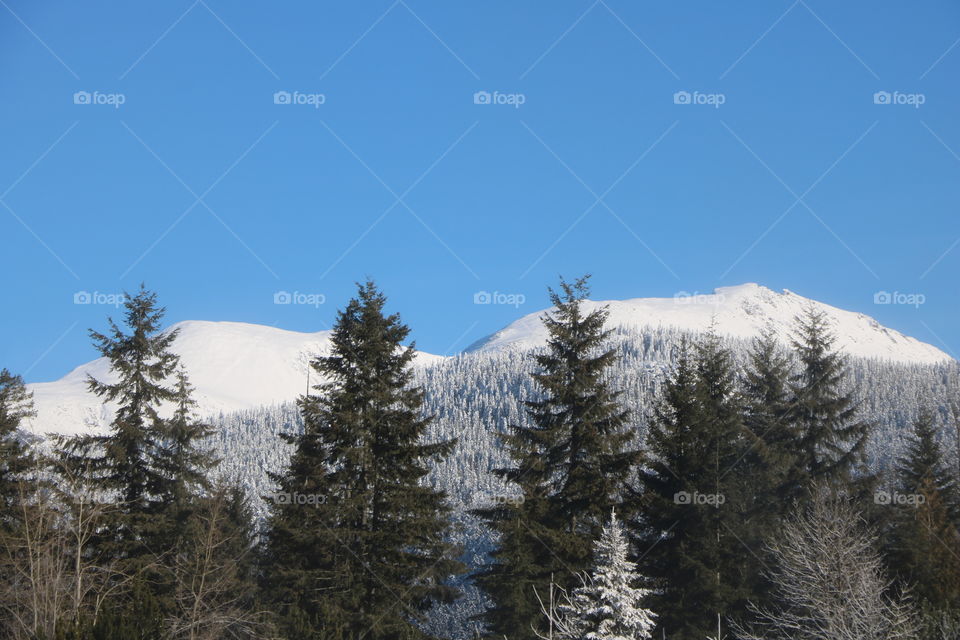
{"x": 356, "y": 546}
{"x": 768, "y": 421}
{"x": 831, "y": 437}
{"x": 183, "y": 461}
{"x": 694, "y": 520}
{"x": 768, "y": 467}
{"x": 16, "y": 404}
{"x": 125, "y": 465}
{"x": 572, "y": 463}
{"x": 608, "y": 605}
{"x": 925, "y": 545}
{"x": 124, "y": 460}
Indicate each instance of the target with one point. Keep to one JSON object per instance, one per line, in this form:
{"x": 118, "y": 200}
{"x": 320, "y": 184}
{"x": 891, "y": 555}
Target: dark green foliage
{"x": 356, "y": 547}
{"x": 16, "y": 404}
{"x": 924, "y": 546}
{"x": 694, "y": 527}
{"x": 572, "y": 465}
{"x": 770, "y": 466}
{"x": 181, "y": 459}
{"x": 831, "y": 438}
{"x": 124, "y": 461}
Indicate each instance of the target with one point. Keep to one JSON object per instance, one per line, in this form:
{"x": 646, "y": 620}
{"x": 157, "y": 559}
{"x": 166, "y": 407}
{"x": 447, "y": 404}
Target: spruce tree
{"x": 125, "y": 465}
{"x": 925, "y": 544}
{"x": 572, "y": 464}
{"x": 831, "y": 436}
{"x": 695, "y": 501}
{"x": 768, "y": 467}
{"x": 356, "y": 541}
{"x": 609, "y": 605}
{"x": 123, "y": 461}
{"x": 768, "y": 421}
{"x": 16, "y": 404}
{"x": 183, "y": 460}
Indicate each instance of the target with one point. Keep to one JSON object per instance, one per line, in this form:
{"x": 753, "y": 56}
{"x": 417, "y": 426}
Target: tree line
{"x": 747, "y": 511}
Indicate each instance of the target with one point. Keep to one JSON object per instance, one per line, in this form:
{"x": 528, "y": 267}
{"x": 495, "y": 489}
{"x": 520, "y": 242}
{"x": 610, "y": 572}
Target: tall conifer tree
{"x": 183, "y": 459}
{"x": 124, "y": 461}
{"x": 16, "y": 404}
{"x": 572, "y": 463}
{"x": 831, "y": 436}
{"x": 695, "y": 500}
{"x": 356, "y": 546}
{"x": 925, "y": 543}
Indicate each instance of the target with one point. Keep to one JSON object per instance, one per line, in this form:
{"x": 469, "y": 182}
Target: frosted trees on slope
{"x": 607, "y": 605}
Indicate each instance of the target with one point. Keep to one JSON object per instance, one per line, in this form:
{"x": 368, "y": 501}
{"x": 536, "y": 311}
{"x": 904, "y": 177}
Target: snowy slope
{"x": 741, "y": 311}
{"x": 236, "y": 366}
{"x": 233, "y": 366}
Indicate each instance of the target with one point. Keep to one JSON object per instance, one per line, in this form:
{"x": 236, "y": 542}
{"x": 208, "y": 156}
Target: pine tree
{"x": 124, "y": 465}
{"x": 356, "y": 546}
{"x": 608, "y": 605}
{"x": 183, "y": 461}
{"x": 768, "y": 421}
{"x": 16, "y": 404}
{"x": 694, "y": 518}
{"x": 768, "y": 467}
{"x": 572, "y": 464}
{"x": 925, "y": 544}
{"x": 831, "y": 436}
{"x": 124, "y": 460}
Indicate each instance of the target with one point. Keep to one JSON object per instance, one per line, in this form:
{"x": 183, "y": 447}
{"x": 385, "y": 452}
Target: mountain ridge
{"x": 236, "y": 366}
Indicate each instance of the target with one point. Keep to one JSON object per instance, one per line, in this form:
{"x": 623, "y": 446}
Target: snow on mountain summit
{"x": 236, "y": 366}
{"x": 233, "y": 366}
{"x": 740, "y": 311}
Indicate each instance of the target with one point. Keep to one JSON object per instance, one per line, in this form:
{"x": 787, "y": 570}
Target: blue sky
{"x": 781, "y": 168}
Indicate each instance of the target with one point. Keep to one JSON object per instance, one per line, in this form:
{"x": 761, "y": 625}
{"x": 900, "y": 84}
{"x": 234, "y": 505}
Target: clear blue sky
{"x": 203, "y": 187}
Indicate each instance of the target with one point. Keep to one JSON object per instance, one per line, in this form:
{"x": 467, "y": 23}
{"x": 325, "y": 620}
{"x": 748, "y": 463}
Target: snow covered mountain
{"x": 236, "y": 366}
{"x": 233, "y": 365}
{"x": 738, "y": 312}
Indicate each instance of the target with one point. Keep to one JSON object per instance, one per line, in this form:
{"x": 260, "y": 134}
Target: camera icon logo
{"x": 682, "y": 497}
{"x": 882, "y": 297}
{"x": 282, "y": 297}
{"x": 881, "y": 97}
{"x": 681, "y": 97}
{"x": 281, "y": 97}
{"x": 81, "y": 97}
{"x": 882, "y": 497}
{"x": 82, "y": 297}
{"x": 482, "y": 97}
{"x": 482, "y": 297}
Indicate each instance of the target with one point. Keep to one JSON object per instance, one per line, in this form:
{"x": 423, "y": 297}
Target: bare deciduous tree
{"x": 829, "y": 581}
{"x": 211, "y": 594}
{"x": 51, "y": 577}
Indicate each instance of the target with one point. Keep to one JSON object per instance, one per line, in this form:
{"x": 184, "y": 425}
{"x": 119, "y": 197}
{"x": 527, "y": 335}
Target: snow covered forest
{"x": 612, "y": 483}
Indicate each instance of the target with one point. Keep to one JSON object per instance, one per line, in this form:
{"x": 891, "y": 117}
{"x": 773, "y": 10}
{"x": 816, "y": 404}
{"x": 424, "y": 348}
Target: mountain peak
{"x": 740, "y": 311}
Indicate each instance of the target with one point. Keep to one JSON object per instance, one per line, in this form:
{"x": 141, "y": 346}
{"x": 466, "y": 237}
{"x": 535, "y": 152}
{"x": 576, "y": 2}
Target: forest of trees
{"x": 755, "y": 496}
